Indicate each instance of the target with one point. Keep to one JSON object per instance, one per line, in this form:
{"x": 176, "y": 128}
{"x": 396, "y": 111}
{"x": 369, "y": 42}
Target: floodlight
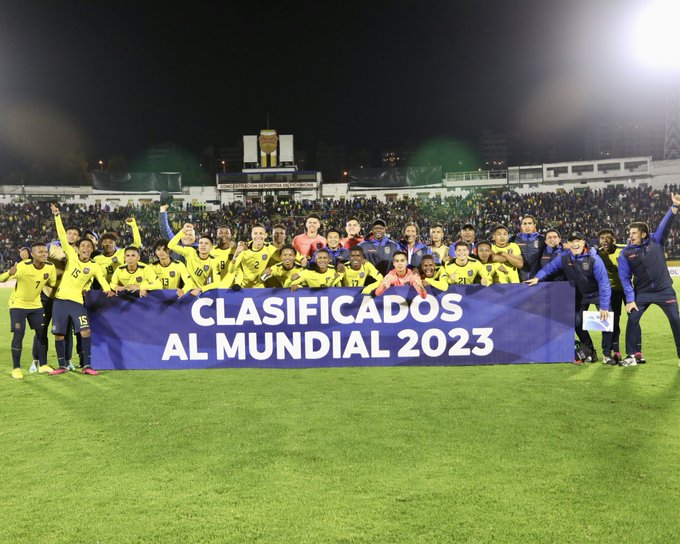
{"x": 656, "y": 40}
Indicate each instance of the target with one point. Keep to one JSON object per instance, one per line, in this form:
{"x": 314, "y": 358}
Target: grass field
{"x": 519, "y": 453}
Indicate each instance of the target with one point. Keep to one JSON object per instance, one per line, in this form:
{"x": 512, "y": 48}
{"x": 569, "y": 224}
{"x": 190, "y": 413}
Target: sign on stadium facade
{"x": 236, "y": 186}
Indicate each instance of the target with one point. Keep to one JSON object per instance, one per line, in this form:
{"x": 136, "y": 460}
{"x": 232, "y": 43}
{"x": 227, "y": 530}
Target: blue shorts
{"x": 17, "y": 317}
{"x": 65, "y": 310}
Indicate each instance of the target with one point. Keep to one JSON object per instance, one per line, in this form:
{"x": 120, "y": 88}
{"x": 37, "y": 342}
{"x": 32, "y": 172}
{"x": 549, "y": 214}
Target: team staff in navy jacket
{"x": 378, "y": 248}
{"x": 532, "y": 246}
{"x": 646, "y": 280}
{"x": 586, "y": 272}
{"x": 415, "y": 249}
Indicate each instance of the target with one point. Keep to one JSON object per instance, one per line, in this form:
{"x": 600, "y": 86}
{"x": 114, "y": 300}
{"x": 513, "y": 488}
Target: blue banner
{"x": 274, "y": 328}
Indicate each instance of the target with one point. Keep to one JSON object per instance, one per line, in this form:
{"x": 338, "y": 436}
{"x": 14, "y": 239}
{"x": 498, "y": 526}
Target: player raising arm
{"x": 645, "y": 279}
{"x": 25, "y": 305}
{"x": 68, "y": 303}
{"x": 112, "y": 256}
{"x": 202, "y": 266}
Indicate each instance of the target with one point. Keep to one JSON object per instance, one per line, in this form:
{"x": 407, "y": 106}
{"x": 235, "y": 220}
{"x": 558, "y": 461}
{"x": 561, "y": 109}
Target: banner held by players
{"x": 267, "y": 328}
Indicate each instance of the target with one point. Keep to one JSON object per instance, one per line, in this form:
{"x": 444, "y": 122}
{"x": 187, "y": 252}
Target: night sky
{"x": 114, "y": 78}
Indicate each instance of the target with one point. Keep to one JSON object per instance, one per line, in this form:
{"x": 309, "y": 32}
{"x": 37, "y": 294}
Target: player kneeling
{"x": 322, "y": 275}
{"x": 401, "y": 275}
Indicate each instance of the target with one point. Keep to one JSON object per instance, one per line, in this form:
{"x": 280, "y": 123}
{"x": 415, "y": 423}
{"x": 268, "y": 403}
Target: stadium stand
{"x": 586, "y": 210}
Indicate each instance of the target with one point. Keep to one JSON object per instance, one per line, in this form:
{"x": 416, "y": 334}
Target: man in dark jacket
{"x": 587, "y": 273}
{"x": 646, "y": 280}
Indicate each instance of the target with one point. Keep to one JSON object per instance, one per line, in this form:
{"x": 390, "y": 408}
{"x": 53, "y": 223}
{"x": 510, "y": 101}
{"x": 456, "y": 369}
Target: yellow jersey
{"x": 280, "y": 275}
{"x": 249, "y": 265}
{"x": 314, "y": 278}
{"x": 491, "y": 270}
{"x": 441, "y": 252}
{"x": 440, "y": 280}
{"x": 203, "y": 272}
{"x": 224, "y": 258}
{"x": 143, "y": 275}
{"x": 30, "y": 283}
{"x": 467, "y": 273}
{"x": 505, "y": 272}
{"x": 78, "y": 274}
{"x": 358, "y": 278}
{"x": 169, "y": 277}
{"x": 111, "y": 263}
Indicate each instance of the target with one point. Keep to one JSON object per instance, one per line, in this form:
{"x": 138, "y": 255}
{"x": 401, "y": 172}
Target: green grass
{"x": 523, "y": 453}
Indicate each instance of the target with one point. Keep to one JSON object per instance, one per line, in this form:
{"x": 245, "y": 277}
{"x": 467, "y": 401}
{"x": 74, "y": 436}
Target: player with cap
{"x": 467, "y": 235}
{"x": 586, "y": 272}
{"x": 378, "y": 248}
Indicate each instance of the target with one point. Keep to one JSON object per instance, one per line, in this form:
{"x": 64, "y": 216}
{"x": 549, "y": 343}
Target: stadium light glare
{"x": 656, "y": 40}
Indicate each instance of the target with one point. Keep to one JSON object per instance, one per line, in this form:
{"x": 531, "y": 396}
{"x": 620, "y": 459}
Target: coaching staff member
{"x": 646, "y": 280}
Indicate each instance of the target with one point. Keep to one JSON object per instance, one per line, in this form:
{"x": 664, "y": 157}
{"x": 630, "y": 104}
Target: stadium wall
{"x": 523, "y": 180}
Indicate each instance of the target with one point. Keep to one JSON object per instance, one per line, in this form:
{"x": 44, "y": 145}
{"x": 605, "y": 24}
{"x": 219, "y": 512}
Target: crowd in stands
{"x": 586, "y": 210}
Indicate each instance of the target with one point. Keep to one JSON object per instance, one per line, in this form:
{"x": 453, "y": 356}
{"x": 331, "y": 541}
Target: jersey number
{"x": 75, "y": 273}
{"x": 82, "y": 319}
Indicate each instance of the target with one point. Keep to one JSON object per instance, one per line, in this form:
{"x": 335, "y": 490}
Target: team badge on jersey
{"x": 586, "y": 265}
{"x": 419, "y": 252}
{"x": 206, "y": 267}
{"x": 489, "y": 267}
{"x": 46, "y": 275}
{"x": 362, "y": 274}
{"x": 265, "y": 257}
{"x": 535, "y": 243}
{"x": 471, "y": 272}
{"x": 138, "y": 279}
{"x": 388, "y": 250}
{"x": 172, "y": 273}
{"x": 114, "y": 260}
{"x": 86, "y": 270}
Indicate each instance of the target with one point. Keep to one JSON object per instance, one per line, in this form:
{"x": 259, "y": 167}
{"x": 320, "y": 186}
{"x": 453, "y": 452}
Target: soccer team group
{"x": 51, "y": 278}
